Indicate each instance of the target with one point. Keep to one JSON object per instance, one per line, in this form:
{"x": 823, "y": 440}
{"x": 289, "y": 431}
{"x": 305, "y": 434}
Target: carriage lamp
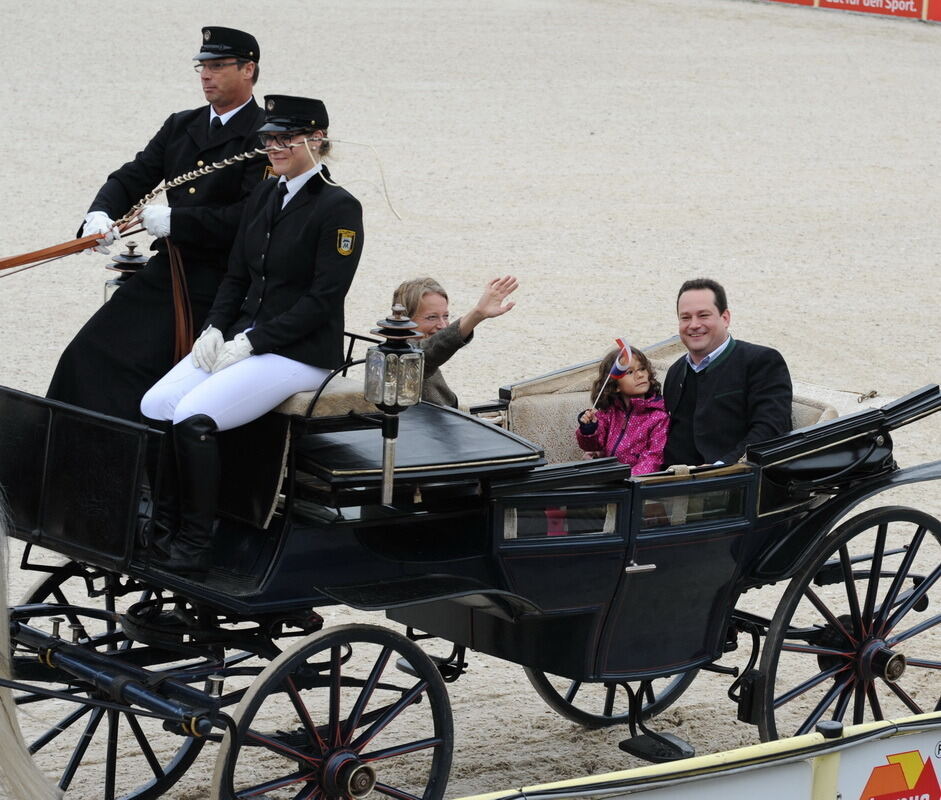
{"x": 394, "y": 372}
{"x": 125, "y": 264}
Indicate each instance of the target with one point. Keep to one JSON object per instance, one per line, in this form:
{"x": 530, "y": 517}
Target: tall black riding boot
{"x": 161, "y": 474}
{"x": 198, "y": 468}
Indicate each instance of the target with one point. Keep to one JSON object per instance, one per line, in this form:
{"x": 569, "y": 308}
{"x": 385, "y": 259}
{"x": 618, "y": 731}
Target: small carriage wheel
{"x": 856, "y": 636}
{"x": 333, "y": 717}
{"x": 73, "y": 735}
{"x": 597, "y": 704}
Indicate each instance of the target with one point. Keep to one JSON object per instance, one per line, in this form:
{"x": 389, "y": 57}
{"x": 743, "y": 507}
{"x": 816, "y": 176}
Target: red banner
{"x": 911, "y": 9}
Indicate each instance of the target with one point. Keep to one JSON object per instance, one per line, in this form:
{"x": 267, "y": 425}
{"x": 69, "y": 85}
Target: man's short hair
{"x": 243, "y": 61}
{"x": 705, "y": 283}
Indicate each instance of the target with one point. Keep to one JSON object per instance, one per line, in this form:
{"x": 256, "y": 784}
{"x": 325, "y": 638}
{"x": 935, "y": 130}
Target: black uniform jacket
{"x": 207, "y": 209}
{"x": 744, "y": 397}
{"x": 289, "y": 273}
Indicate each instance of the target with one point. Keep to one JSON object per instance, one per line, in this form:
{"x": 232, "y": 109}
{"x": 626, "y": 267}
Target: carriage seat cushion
{"x": 340, "y": 396}
{"x": 550, "y": 420}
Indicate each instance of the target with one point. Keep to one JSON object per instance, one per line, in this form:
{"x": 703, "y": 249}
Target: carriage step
{"x": 658, "y": 747}
{"x": 450, "y": 669}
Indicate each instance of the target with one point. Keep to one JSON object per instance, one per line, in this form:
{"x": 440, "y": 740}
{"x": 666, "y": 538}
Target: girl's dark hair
{"x": 611, "y": 389}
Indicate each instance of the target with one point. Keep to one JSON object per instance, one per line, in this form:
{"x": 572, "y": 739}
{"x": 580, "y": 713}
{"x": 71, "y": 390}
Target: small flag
{"x": 619, "y": 370}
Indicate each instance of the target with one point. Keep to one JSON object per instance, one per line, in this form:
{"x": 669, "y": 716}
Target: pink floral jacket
{"x": 636, "y": 437}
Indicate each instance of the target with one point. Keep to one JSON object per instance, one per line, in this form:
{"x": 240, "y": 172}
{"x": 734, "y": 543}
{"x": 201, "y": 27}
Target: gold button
{"x": 200, "y": 163}
{"x": 192, "y": 190}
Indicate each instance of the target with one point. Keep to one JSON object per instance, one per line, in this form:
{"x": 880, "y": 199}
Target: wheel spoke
{"x": 393, "y": 792}
{"x": 900, "y": 576}
{"x": 851, "y": 594}
{"x": 301, "y": 708}
{"x": 809, "y": 684}
{"x": 825, "y": 702}
{"x": 610, "y": 691}
{"x": 914, "y": 596}
{"x": 872, "y": 587}
{"x": 335, "y": 679}
{"x": 62, "y": 726}
{"x": 570, "y": 693}
{"x": 276, "y": 746}
{"x": 859, "y": 702}
{"x": 111, "y": 754}
{"x": 398, "y": 750}
{"x": 145, "y": 748}
{"x": 404, "y": 702}
{"x": 828, "y": 615}
{"x": 874, "y": 701}
{"x": 924, "y": 663}
{"x": 906, "y": 698}
{"x": 79, "y": 752}
{"x": 301, "y": 776}
{"x": 816, "y": 650}
{"x": 921, "y": 627}
{"x": 843, "y": 703}
{"x": 352, "y": 723}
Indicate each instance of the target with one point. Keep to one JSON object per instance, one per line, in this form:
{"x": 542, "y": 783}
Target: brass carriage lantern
{"x": 394, "y": 372}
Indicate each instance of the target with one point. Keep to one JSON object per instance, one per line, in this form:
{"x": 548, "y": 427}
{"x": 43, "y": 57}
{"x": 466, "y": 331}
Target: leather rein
{"x": 183, "y": 333}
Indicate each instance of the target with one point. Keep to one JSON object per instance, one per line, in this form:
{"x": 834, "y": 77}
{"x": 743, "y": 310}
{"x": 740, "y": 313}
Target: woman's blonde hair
{"x": 410, "y": 293}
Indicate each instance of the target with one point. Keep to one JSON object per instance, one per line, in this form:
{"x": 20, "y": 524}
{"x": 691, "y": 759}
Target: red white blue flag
{"x": 623, "y": 361}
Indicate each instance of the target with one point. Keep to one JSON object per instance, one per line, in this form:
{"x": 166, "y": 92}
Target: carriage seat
{"x": 339, "y": 396}
{"x": 550, "y": 420}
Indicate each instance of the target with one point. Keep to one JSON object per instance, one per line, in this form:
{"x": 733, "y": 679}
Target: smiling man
{"x": 148, "y": 324}
{"x": 724, "y": 394}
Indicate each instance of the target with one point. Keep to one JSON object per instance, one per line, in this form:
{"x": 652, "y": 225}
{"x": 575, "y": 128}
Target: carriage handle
{"x": 633, "y": 568}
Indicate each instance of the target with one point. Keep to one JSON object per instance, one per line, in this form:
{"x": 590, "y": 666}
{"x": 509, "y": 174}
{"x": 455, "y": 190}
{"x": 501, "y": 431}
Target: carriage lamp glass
{"x": 395, "y": 368}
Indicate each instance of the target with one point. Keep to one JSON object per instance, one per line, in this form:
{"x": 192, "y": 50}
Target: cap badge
{"x": 207, "y": 35}
{"x": 270, "y": 105}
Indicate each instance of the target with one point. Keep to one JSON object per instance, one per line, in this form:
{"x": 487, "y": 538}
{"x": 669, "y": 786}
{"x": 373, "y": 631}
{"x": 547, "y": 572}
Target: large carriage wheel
{"x": 332, "y": 717}
{"x": 857, "y": 634}
{"x": 598, "y": 705}
{"x": 119, "y": 754}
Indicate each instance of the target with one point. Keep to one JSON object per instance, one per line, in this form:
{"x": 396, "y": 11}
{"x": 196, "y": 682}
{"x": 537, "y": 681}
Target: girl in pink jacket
{"x": 630, "y": 421}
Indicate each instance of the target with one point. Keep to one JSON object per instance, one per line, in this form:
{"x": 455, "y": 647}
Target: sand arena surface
{"x": 601, "y": 150}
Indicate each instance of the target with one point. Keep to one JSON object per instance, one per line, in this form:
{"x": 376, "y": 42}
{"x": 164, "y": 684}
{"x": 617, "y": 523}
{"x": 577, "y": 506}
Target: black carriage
{"x": 612, "y": 591}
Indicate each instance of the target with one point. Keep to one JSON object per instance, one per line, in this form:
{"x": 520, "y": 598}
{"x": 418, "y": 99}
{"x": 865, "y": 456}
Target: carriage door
{"x": 564, "y": 551}
{"x": 675, "y": 595}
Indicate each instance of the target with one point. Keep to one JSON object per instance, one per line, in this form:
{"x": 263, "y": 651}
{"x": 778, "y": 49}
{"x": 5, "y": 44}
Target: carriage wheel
{"x": 332, "y": 717}
{"x": 601, "y": 704}
{"x": 857, "y": 634}
{"x": 123, "y": 755}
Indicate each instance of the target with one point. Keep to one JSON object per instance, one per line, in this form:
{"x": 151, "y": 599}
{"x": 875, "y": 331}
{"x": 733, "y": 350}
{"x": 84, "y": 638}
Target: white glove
{"x": 233, "y": 352}
{"x": 156, "y": 220}
{"x": 99, "y": 222}
{"x": 206, "y": 348}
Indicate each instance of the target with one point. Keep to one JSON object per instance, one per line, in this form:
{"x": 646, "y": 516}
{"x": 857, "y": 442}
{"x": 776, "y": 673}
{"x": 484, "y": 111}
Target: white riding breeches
{"x": 233, "y": 396}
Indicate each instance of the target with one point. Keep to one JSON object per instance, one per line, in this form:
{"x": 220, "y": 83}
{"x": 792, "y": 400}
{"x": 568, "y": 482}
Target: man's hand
{"x": 99, "y": 222}
{"x": 156, "y": 220}
{"x": 233, "y": 352}
{"x": 206, "y": 348}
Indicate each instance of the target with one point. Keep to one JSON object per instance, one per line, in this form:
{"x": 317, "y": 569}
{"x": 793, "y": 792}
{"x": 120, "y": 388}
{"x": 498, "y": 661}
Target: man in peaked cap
{"x": 139, "y": 334}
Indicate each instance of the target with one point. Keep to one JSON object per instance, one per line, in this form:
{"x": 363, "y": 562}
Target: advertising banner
{"x": 911, "y": 9}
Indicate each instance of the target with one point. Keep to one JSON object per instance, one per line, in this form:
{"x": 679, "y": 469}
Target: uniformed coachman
{"x": 139, "y": 334}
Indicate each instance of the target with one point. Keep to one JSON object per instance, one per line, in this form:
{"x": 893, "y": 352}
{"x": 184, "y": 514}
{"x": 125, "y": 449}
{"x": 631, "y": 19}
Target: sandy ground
{"x": 601, "y": 150}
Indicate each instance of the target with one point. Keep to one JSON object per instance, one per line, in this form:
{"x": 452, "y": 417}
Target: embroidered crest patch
{"x": 346, "y": 240}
